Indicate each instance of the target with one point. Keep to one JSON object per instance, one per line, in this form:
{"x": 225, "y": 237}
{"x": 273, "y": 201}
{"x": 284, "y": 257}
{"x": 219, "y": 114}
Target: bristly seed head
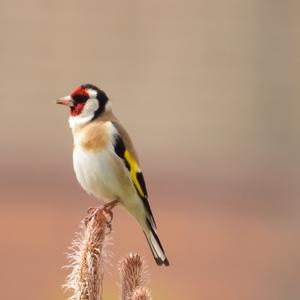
{"x": 87, "y": 258}
{"x": 141, "y": 293}
{"x": 132, "y": 272}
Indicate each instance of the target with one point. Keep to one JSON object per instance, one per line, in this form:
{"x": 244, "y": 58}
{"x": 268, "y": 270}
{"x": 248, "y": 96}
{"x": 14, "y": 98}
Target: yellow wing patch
{"x": 134, "y": 169}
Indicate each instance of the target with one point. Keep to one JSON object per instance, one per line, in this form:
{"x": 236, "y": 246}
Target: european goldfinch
{"x": 105, "y": 161}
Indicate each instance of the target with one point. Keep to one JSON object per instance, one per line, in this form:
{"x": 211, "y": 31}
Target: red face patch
{"x": 77, "y": 109}
{"x": 79, "y": 92}
{"x": 79, "y": 96}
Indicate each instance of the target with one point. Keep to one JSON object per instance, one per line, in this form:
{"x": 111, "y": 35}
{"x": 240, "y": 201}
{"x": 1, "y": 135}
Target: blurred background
{"x": 209, "y": 93}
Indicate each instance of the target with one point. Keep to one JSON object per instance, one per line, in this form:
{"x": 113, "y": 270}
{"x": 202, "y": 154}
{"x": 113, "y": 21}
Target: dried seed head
{"x": 141, "y": 293}
{"x": 132, "y": 273}
{"x": 87, "y": 258}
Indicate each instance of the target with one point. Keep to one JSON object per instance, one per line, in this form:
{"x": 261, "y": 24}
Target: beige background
{"x": 209, "y": 92}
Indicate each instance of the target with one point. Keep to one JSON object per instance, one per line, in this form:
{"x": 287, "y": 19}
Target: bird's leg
{"x": 106, "y": 207}
{"x": 109, "y": 206}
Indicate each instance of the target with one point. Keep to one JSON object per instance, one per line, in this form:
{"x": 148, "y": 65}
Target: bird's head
{"x": 86, "y": 103}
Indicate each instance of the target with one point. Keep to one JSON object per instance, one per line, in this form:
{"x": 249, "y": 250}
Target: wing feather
{"x": 135, "y": 173}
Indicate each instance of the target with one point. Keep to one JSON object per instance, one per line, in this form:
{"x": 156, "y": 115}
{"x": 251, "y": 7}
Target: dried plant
{"x": 141, "y": 293}
{"x": 87, "y": 257}
{"x": 87, "y": 262}
{"x": 132, "y": 272}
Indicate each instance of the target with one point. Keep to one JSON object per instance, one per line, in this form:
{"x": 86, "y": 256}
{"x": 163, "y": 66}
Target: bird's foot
{"x": 107, "y": 208}
{"x": 110, "y": 205}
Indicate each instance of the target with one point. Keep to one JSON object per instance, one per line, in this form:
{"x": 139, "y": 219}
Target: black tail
{"x": 156, "y": 247}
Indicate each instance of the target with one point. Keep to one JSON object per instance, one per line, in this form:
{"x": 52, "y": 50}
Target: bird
{"x": 105, "y": 161}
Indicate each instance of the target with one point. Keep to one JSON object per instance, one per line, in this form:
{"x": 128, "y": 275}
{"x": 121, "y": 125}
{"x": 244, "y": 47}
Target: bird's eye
{"x": 80, "y": 98}
{"x": 80, "y": 95}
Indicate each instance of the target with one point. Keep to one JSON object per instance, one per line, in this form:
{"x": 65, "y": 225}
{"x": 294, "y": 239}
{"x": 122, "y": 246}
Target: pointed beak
{"x": 67, "y": 100}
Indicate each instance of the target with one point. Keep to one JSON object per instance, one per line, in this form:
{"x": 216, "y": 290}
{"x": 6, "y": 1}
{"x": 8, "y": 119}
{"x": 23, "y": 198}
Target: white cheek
{"x": 92, "y": 93}
{"x": 90, "y": 107}
{"x": 86, "y": 115}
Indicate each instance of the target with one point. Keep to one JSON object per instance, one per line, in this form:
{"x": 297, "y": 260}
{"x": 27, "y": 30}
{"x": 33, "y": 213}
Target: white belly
{"x": 102, "y": 174}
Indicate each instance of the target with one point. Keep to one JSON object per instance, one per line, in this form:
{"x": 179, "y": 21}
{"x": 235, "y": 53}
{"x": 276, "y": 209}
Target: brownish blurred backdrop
{"x": 209, "y": 92}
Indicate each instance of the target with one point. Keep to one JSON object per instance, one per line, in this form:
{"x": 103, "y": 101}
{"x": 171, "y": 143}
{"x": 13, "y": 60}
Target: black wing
{"x": 135, "y": 173}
